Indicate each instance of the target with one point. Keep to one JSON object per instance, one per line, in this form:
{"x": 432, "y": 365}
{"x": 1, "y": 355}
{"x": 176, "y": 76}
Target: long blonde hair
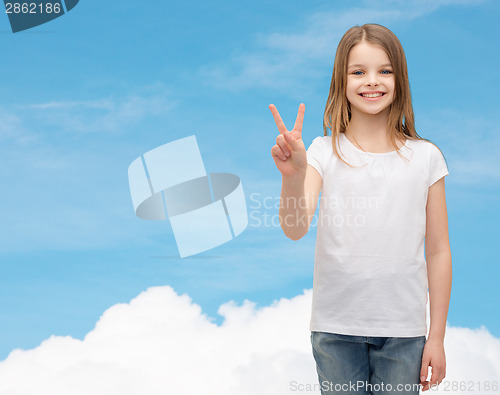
{"x": 401, "y": 123}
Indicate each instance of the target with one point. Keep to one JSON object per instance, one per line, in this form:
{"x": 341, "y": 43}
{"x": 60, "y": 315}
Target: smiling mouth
{"x": 372, "y": 95}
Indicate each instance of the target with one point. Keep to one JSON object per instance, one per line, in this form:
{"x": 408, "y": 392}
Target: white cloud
{"x": 103, "y": 114}
{"x": 11, "y": 128}
{"x": 162, "y": 343}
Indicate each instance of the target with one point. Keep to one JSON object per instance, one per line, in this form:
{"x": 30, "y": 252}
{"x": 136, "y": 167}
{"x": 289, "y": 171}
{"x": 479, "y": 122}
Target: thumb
{"x": 424, "y": 370}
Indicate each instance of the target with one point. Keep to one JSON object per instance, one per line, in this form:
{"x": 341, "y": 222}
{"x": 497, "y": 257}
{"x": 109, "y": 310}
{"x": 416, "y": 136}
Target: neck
{"x": 369, "y": 129}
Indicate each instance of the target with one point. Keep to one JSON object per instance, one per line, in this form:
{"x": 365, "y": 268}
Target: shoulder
{"x": 324, "y": 142}
{"x": 424, "y": 146}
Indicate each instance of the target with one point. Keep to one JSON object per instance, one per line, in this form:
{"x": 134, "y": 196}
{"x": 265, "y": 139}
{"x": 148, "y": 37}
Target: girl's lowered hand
{"x": 433, "y": 356}
{"x": 289, "y": 153}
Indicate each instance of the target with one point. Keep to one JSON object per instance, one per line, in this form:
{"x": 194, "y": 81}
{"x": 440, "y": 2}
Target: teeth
{"x": 371, "y": 94}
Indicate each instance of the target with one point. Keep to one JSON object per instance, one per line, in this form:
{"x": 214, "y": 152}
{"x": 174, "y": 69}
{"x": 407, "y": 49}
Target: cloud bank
{"x": 162, "y": 343}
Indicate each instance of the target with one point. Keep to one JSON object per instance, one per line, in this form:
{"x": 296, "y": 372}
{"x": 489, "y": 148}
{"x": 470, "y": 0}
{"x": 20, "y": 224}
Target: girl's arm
{"x": 301, "y": 183}
{"x": 438, "y": 257}
{"x": 439, "y": 274}
{"x": 299, "y": 198}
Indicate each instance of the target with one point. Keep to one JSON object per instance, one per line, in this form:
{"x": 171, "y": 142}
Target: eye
{"x": 357, "y": 71}
{"x": 386, "y": 72}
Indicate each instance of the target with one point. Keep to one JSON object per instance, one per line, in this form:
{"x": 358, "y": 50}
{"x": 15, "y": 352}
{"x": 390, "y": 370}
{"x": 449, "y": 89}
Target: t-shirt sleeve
{"x": 316, "y": 154}
{"x": 438, "y": 167}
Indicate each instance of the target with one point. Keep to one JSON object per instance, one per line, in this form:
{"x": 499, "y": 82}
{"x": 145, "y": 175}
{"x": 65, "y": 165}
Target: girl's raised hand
{"x": 289, "y": 153}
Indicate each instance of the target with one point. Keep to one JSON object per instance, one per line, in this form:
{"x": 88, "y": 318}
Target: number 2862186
{"x": 32, "y": 8}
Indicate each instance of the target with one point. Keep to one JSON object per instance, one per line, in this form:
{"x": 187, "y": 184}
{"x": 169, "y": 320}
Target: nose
{"x": 372, "y": 80}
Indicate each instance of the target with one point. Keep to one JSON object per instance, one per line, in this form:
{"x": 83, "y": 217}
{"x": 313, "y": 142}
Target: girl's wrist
{"x": 295, "y": 180}
{"x": 435, "y": 337}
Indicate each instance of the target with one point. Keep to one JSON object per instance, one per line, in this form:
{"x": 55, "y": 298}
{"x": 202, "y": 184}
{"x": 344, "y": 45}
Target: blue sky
{"x": 84, "y": 95}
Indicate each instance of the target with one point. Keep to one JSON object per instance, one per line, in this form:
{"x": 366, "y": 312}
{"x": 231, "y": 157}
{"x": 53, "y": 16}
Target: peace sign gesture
{"x": 289, "y": 153}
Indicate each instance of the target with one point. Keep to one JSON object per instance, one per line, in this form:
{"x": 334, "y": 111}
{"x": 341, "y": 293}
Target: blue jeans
{"x": 367, "y": 365}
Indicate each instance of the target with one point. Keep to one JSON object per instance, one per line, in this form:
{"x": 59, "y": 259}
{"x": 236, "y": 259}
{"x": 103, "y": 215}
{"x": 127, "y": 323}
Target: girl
{"x": 383, "y": 196}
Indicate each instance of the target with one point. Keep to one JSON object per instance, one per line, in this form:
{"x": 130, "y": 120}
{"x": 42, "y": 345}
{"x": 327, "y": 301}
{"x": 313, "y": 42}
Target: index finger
{"x": 300, "y": 118}
{"x": 277, "y": 118}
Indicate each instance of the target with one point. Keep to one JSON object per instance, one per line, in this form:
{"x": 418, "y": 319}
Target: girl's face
{"x": 370, "y": 80}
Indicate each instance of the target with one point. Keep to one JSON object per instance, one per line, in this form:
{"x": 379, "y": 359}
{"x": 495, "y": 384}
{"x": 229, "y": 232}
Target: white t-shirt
{"x": 370, "y": 273}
